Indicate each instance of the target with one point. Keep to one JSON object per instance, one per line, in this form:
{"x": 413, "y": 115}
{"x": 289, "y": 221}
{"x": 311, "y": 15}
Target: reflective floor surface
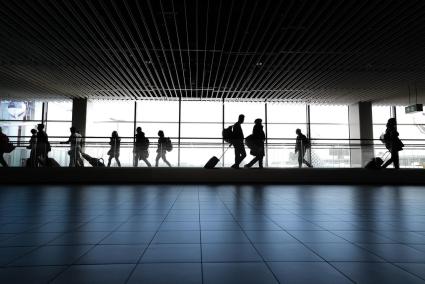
{"x": 212, "y": 234}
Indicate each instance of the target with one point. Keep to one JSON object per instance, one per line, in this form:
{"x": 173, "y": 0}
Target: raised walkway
{"x": 200, "y": 175}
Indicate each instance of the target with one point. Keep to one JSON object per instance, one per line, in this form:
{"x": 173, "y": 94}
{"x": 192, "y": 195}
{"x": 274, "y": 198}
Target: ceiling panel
{"x": 293, "y": 51}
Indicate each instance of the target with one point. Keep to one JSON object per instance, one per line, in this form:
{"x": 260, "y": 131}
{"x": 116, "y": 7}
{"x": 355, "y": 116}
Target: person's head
{"x": 114, "y": 133}
{"x": 139, "y": 129}
{"x": 40, "y": 127}
{"x": 73, "y": 129}
{"x": 258, "y": 121}
{"x": 241, "y": 118}
{"x": 161, "y": 133}
{"x": 33, "y": 131}
{"x": 391, "y": 122}
{"x": 298, "y": 131}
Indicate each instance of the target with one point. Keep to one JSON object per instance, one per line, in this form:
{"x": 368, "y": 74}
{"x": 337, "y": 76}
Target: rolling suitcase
{"x": 212, "y": 163}
{"x": 214, "y": 160}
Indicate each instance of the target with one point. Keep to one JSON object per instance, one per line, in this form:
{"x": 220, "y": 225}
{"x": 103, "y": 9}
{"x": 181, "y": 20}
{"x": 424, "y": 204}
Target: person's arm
{"x": 63, "y": 142}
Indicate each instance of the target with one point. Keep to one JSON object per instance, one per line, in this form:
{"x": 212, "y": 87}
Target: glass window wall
{"x": 329, "y": 134}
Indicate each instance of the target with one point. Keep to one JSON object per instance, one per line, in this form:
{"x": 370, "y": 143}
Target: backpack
{"x": 145, "y": 144}
{"x": 228, "y": 134}
{"x": 168, "y": 144}
{"x": 307, "y": 143}
{"x": 250, "y": 141}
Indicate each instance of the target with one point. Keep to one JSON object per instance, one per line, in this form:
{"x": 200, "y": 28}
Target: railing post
{"x": 134, "y": 133}
{"x": 179, "y": 138}
{"x": 222, "y": 139}
{"x": 309, "y": 132}
{"x": 266, "y": 122}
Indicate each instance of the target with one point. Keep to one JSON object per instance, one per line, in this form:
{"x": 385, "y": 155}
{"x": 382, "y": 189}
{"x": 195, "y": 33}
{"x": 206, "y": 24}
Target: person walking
{"x": 4, "y": 144}
{"x": 301, "y": 145}
{"x": 43, "y": 146}
{"x": 237, "y": 142}
{"x": 141, "y": 148}
{"x": 257, "y": 141}
{"x": 114, "y": 151}
{"x": 392, "y": 143}
{"x": 162, "y": 149}
{"x": 32, "y": 161}
{"x": 75, "y": 150}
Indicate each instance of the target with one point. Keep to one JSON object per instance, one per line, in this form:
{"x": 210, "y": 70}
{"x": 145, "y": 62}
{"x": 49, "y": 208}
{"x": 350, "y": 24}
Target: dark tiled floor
{"x": 212, "y": 234}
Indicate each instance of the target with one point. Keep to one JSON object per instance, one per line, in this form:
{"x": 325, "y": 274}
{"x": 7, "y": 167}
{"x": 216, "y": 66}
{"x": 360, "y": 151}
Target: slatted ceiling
{"x": 293, "y": 51}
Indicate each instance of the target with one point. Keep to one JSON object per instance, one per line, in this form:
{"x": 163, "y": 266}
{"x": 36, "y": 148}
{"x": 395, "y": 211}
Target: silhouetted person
{"x": 74, "y": 152}
{"x": 114, "y": 152}
{"x": 237, "y": 142}
{"x": 141, "y": 148}
{"x": 162, "y": 149}
{"x": 4, "y": 143}
{"x": 32, "y": 161}
{"x": 258, "y": 138}
{"x": 43, "y": 146}
{"x": 392, "y": 143}
{"x": 301, "y": 146}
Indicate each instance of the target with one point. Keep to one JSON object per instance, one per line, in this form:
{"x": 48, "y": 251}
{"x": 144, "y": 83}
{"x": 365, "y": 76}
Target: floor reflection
{"x": 212, "y": 234}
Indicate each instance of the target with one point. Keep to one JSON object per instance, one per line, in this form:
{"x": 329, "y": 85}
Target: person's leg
{"x": 118, "y": 161}
{"x": 158, "y": 156}
{"x": 253, "y": 161}
{"x": 135, "y": 159}
{"x": 164, "y": 158}
{"x": 260, "y": 161}
{"x": 109, "y": 161}
{"x": 147, "y": 162}
{"x": 300, "y": 159}
{"x": 236, "y": 154}
{"x": 305, "y": 161}
{"x": 396, "y": 159}
{"x": 242, "y": 153}
{"x": 72, "y": 158}
{"x": 3, "y": 161}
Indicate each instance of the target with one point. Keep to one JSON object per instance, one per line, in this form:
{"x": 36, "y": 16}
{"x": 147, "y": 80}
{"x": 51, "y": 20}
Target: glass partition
{"x": 329, "y": 134}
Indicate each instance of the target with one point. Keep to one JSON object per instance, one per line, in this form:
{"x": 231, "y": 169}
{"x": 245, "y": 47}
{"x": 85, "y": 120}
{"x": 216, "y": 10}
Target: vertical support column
{"x": 307, "y": 111}
{"x": 134, "y": 133}
{"x": 79, "y": 115}
{"x": 222, "y": 140}
{"x": 393, "y": 112}
{"x": 361, "y": 130}
{"x": 44, "y": 108}
{"x": 179, "y": 139}
{"x": 266, "y": 123}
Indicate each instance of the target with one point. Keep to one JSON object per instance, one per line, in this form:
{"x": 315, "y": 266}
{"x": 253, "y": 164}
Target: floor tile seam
{"x": 200, "y": 236}
{"x": 330, "y": 264}
{"x": 90, "y": 249}
{"x": 149, "y": 244}
{"x": 256, "y": 250}
{"x": 396, "y": 264}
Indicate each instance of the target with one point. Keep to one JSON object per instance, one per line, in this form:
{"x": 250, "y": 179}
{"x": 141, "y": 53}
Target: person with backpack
{"x": 392, "y": 143}
{"x": 238, "y": 142}
{"x": 301, "y": 145}
{"x": 141, "y": 148}
{"x": 114, "y": 151}
{"x": 164, "y": 145}
{"x": 257, "y": 139}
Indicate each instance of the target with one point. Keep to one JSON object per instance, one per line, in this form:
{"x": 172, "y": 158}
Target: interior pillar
{"x": 361, "y": 129}
{"x": 79, "y": 115}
